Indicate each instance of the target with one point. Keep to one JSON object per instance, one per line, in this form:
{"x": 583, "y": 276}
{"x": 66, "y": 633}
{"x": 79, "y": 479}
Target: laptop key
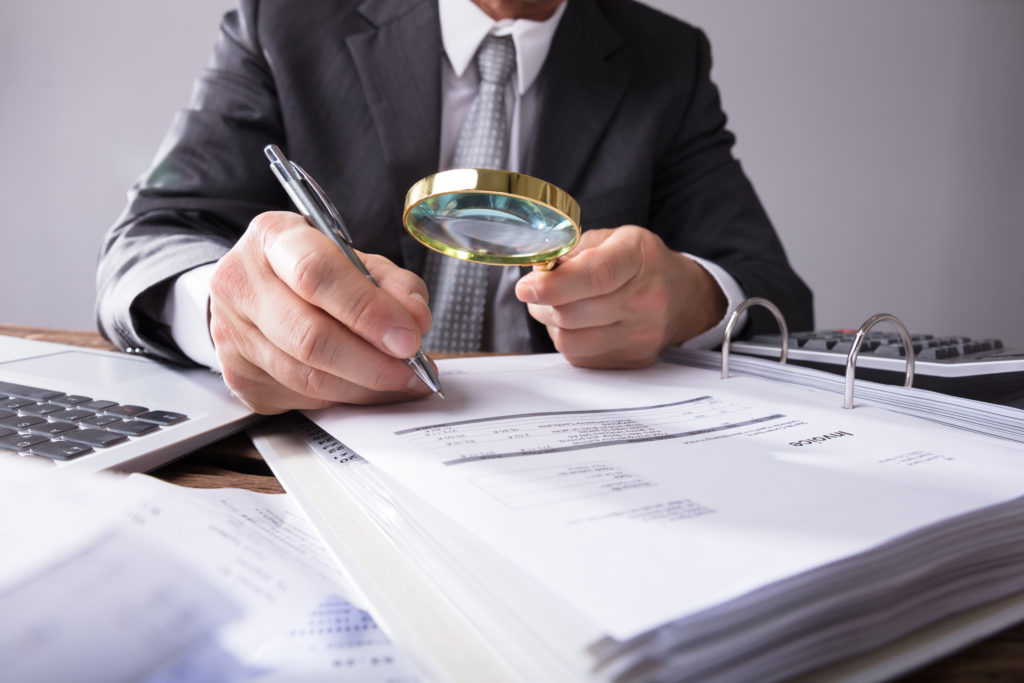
{"x": 7, "y": 431}
{"x": 71, "y": 415}
{"x": 24, "y": 391}
{"x": 70, "y": 401}
{"x": 20, "y": 421}
{"x": 96, "y": 437}
{"x": 133, "y": 427}
{"x": 162, "y": 417}
{"x": 96, "y": 406}
{"x": 21, "y": 442}
{"x": 52, "y": 429}
{"x": 15, "y": 403}
{"x": 60, "y": 450}
{"x": 41, "y": 409}
{"x": 99, "y": 420}
{"x": 125, "y": 411}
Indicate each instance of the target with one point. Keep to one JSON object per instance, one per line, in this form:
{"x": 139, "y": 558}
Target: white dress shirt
{"x": 463, "y": 27}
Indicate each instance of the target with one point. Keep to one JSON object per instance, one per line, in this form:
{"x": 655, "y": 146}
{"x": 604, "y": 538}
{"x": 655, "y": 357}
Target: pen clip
{"x": 325, "y": 203}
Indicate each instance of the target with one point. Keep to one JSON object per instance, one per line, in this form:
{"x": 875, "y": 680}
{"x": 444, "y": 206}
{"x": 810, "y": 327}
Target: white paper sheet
{"x": 667, "y": 477}
{"x": 109, "y": 578}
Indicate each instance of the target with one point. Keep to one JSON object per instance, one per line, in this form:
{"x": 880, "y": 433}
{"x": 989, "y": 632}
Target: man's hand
{"x": 296, "y": 326}
{"x": 621, "y": 297}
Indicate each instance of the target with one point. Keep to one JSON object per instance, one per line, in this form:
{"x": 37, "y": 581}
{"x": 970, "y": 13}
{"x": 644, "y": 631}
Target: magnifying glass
{"x": 491, "y": 216}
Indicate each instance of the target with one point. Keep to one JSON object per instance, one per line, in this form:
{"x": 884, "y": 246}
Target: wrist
{"x": 701, "y": 302}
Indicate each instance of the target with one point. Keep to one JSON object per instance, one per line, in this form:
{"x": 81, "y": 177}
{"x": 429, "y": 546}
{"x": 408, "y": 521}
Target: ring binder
{"x": 727, "y": 334}
{"x": 851, "y": 359}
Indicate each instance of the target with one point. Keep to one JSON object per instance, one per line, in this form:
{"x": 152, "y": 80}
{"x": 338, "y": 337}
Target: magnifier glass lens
{"x": 492, "y": 216}
{"x": 490, "y": 227}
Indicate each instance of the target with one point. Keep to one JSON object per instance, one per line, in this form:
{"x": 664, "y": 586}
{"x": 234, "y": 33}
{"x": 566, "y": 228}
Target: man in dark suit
{"x": 613, "y": 103}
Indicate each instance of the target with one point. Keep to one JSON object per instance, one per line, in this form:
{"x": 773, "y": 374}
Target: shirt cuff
{"x": 186, "y": 311}
{"x": 734, "y": 296}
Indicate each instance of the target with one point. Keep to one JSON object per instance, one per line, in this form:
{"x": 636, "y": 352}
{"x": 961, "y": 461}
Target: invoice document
{"x": 686, "y": 492}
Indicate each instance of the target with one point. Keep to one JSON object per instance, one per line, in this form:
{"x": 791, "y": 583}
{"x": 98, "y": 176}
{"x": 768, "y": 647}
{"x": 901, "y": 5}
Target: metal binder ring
{"x": 727, "y": 335}
{"x": 851, "y": 359}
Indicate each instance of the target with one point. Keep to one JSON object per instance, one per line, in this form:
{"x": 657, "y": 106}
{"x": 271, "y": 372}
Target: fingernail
{"x": 400, "y": 341}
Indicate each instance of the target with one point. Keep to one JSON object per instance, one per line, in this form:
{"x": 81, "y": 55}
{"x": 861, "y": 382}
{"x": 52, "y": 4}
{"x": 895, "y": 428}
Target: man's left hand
{"x": 621, "y": 297}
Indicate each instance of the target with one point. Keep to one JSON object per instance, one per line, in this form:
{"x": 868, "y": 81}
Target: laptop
{"x": 91, "y": 410}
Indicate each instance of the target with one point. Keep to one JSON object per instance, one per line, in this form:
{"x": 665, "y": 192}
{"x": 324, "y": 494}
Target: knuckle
{"x": 268, "y": 226}
{"x": 308, "y": 279}
{"x": 602, "y": 275}
{"x": 314, "y": 383}
{"x": 361, "y": 310}
{"x": 307, "y": 341}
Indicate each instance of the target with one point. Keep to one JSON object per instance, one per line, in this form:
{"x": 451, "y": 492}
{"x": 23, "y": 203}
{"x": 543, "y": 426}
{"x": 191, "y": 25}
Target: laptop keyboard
{"x": 61, "y": 426}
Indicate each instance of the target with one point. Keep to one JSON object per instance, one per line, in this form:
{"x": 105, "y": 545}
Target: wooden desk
{"x": 235, "y": 462}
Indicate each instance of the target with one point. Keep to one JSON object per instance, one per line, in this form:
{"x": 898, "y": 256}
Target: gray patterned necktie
{"x": 458, "y": 289}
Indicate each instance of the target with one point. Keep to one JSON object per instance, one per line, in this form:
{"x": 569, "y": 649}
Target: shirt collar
{"x": 464, "y": 26}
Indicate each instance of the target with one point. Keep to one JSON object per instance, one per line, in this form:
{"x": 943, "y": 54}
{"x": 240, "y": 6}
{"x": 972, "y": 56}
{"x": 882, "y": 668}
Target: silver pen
{"x": 321, "y": 213}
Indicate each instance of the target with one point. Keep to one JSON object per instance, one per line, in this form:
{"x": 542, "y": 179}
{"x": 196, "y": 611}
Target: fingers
{"x": 602, "y": 263}
{"x": 296, "y": 325}
{"x": 619, "y": 300}
{"x": 320, "y": 274}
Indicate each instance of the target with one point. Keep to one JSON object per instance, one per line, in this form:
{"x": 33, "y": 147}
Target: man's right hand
{"x": 297, "y": 326}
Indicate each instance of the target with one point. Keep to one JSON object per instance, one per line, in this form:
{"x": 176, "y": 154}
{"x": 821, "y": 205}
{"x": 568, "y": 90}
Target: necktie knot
{"x": 495, "y": 59}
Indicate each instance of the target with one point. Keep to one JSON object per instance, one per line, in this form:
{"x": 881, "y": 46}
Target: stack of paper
{"x": 109, "y": 578}
{"x": 655, "y": 524}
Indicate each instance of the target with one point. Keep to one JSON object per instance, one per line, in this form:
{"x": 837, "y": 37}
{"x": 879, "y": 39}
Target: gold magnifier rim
{"x": 492, "y": 181}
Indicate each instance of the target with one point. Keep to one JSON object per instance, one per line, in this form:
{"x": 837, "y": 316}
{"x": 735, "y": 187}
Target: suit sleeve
{"x": 206, "y": 183}
{"x": 702, "y": 203}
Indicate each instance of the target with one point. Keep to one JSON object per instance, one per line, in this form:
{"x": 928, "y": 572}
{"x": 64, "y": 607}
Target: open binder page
{"x": 300, "y": 453}
{"x": 985, "y": 418}
{"x": 693, "y": 497}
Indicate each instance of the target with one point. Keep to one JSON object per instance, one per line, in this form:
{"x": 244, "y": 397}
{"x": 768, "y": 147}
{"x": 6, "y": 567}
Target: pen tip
{"x": 440, "y": 393}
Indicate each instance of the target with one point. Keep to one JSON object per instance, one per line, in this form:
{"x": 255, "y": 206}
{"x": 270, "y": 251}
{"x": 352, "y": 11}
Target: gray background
{"x": 884, "y": 137}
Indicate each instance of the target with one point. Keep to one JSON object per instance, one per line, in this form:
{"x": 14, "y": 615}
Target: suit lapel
{"x": 399, "y": 66}
{"x": 583, "y": 80}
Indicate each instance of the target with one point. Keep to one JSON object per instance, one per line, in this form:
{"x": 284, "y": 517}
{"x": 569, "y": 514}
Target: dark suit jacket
{"x": 630, "y": 125}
